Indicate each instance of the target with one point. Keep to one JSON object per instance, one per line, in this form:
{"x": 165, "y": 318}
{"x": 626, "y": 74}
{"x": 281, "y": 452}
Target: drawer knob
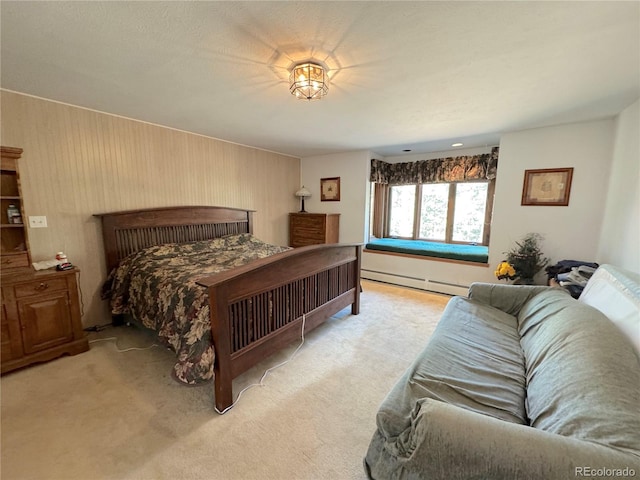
{"x": 42, "y": 286}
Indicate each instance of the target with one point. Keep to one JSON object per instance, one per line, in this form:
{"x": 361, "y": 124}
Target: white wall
{"x": 570, "y": 233}
{"x": 353, "y": 170}
{"x": 620, "y": 233}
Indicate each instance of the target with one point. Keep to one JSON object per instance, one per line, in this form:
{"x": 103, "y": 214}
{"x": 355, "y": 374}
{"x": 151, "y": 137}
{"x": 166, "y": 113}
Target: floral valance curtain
{"x": 438, "y": 170}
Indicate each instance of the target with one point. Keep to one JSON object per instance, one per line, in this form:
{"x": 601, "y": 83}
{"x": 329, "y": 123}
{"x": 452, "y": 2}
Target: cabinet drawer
{"x": 309, "y": 221}
{"x": 307, "y": 231}
{"x": 39, "y": 287}
{"x": 17, "y": 260}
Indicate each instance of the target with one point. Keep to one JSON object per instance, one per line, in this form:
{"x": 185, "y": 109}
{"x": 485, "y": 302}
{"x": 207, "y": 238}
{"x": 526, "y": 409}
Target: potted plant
{"x": 523, "y": 261}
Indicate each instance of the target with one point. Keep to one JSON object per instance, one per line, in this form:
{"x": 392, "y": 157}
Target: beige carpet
{"x": 110, "y": 415}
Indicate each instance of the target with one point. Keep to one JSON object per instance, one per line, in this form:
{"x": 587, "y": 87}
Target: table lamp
{"x": 303, "y": 193}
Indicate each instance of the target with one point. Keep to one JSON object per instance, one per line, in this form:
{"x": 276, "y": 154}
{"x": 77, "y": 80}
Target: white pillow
{"x": 616, "y": 293}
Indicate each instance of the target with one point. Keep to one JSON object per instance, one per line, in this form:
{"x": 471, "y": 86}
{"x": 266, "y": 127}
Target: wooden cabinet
{"x": 313, "y": 228}
{"x": 40, "y": 317}
{"x": 15, "y": 245}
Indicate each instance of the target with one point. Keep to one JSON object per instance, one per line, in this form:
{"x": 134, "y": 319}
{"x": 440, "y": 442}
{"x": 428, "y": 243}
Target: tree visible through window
{"x": 433, "y": 211}
{"x": 469, "y": 214}
{"x": 443, "y": 212}
{"x": 403, "y": 199}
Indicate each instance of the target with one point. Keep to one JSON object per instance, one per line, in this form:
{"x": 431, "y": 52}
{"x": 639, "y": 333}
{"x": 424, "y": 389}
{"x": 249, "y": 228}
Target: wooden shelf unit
{"x": 41, "y": 316}
{"x": 15, "y": 242}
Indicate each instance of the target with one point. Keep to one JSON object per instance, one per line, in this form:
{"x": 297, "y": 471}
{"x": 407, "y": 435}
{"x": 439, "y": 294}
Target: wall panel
{"x": 78, "y": 162}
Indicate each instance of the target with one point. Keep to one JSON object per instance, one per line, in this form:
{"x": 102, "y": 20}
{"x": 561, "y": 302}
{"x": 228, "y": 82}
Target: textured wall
{"x": 620, "y": 234}
{"x": 78, "y": 162}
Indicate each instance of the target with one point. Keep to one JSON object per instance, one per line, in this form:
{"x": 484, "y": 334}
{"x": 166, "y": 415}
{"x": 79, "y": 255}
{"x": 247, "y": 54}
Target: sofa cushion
{"x": 583, "y": 377}
{"x": 474, "y": 360}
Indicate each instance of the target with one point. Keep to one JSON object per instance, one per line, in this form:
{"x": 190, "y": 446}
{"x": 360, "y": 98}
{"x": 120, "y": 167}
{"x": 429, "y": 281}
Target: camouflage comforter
{"x": 157, "y": 287}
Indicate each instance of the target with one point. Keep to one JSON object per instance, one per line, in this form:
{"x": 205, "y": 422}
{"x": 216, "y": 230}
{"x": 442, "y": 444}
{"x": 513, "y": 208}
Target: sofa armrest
{"x": 445, "y": 441}
{"x": 508, "y": 298}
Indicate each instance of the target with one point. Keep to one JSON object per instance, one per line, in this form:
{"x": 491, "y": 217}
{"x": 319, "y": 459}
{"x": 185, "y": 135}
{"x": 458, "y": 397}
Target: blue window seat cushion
{"x": 464, "y": 252}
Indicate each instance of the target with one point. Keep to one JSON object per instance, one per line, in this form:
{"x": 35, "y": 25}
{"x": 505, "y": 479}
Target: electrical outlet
{"x": 37, "y": 222}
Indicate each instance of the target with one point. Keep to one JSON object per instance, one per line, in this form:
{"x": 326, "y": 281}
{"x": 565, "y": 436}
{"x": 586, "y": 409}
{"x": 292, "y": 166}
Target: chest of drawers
{"x": 313, "y": 228}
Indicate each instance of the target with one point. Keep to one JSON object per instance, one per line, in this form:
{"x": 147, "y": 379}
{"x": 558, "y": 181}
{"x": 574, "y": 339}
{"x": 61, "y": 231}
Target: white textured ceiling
{"x": 417, "y": 75}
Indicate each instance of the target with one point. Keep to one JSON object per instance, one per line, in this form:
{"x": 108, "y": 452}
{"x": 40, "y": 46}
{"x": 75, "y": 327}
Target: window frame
{"x": 488, "y": 213}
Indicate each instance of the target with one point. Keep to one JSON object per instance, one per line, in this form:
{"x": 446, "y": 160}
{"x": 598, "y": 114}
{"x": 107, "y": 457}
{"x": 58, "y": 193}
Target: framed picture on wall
{"x": 547, "y": 186}
{"x": 330, "y": 189}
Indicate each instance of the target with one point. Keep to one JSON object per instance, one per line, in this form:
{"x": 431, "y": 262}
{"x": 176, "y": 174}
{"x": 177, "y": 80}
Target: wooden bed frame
{"x": 258, "y": 308}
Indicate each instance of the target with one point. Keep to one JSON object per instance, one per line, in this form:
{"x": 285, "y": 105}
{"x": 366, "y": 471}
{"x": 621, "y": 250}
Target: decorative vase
{"x": 524, "y": 281}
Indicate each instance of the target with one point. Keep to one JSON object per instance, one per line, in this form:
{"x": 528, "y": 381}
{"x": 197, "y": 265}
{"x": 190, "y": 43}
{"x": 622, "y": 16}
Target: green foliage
{"x": 526, "y": 257}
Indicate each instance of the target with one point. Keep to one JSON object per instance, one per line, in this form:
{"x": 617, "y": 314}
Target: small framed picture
{"x": 330, "y": 189}
{"x": 548, "y": 186}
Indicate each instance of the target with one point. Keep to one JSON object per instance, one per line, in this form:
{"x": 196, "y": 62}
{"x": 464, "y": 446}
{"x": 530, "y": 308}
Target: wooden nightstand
{"x": 313, "y": 228}
{"x": 40, "y": 317}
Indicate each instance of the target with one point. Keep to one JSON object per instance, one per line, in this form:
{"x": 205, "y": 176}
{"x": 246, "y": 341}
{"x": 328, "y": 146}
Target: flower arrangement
{"x": 505, "y": 271}
{"x": 523, "y": 261}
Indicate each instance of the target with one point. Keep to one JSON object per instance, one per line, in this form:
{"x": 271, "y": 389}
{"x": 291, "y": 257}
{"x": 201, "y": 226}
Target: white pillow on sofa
{"x": 616, "y": 293}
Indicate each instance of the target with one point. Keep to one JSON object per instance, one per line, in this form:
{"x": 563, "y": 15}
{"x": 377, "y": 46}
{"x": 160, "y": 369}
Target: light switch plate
{"x": 37, "y": 221}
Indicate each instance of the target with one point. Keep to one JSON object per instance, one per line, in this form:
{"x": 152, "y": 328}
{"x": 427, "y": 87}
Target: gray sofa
{"x": 520, "y": 382}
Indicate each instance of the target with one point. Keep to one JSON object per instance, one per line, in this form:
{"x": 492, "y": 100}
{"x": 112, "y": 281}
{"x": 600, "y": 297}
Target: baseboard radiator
{"x": 416, "y": 282}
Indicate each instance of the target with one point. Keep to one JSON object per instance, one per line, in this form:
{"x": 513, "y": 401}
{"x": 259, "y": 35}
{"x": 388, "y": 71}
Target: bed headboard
{"x": 127, "y": 232}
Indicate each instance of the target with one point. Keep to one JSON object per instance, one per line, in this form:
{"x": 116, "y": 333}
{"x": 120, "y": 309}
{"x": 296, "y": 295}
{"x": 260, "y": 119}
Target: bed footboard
{"x": 259, "y": 308}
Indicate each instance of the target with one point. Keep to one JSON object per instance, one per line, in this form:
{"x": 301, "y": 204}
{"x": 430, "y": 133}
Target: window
{"x": 401, "y": 212}
{"x": 434, "y": 201}
{"x": 441, "y": 212}
{"x": 469, "y": 212}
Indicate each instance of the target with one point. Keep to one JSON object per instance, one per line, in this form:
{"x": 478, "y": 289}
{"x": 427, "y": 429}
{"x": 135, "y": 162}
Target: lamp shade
{"x": 303, "y": 192}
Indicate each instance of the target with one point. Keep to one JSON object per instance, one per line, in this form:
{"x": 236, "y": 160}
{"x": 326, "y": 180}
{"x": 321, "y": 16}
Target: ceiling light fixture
{"x": 308, "y": 81}
{"x": 457, "y": 144}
